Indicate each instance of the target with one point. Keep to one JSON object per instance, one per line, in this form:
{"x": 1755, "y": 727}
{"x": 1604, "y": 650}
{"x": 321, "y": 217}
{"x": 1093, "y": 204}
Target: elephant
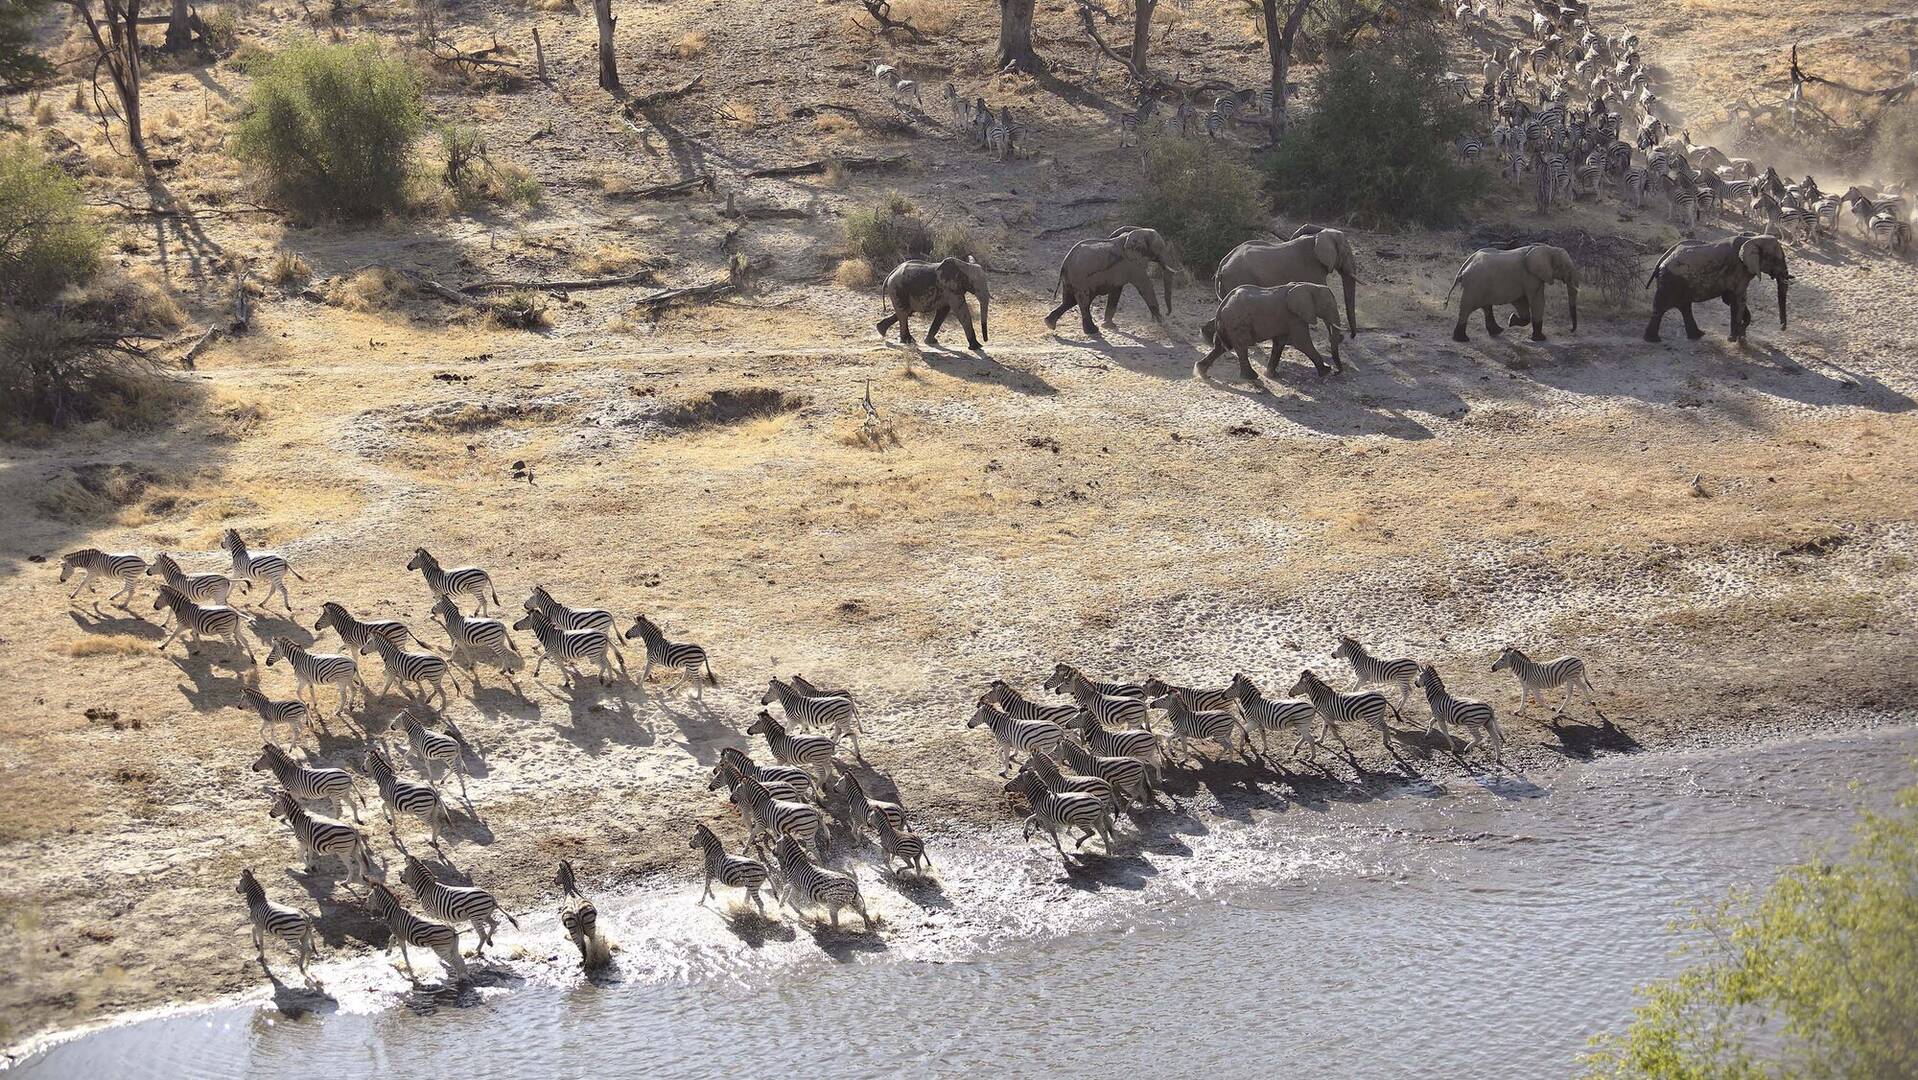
{"x": 1312, "y": 253}
{"x": 1517, "y": 277}
{"x": 1281, "y": 314}
{"x": 1095, "y": 268}
{"x": 939, "y": 288}
{"x": 1694, "y": 270}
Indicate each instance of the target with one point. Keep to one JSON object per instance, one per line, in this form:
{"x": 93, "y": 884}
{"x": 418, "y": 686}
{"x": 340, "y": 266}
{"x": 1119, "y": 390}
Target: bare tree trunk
{"x": 1015, "y": 38}
{"x": 1142, "y": 11}
{"x": 608, "y": 65}
{"x": 1278, "y": 40}
{"x": 539, "y": 56}
{"x": 179, "y": 28}
{"x": 118, "y": 51}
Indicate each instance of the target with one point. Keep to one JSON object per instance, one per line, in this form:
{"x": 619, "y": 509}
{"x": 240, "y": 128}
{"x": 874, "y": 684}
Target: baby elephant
{"x": 1280, "y": 314}
{"x": 937, "y": 289}
{"x": 1517, "y": 277}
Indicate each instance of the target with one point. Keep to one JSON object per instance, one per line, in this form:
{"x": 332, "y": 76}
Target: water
{"x": 1485, "y": 929}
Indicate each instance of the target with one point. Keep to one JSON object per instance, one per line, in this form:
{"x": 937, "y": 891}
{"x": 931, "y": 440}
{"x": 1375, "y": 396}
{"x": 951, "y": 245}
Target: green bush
{"x": 1200, "y": 195}
{"x": 1377, "y": 145}
{"x": 49, "y": 240}
{"x": 888, "y": 234}
{"x": 332, "y": 129}
{"x": 1816, "y": 977}
{"x": 473, "y": 177}
{"x": 19, "y": 64}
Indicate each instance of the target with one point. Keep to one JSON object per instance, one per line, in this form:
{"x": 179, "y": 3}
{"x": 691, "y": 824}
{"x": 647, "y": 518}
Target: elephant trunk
{"x": 1571, "y": 303}
{"x": 985, "y": 330}
{"x": 1332, "y": 335}
{"x": 1784, "y": 281}
{"x": 1350, "y": 281}
{"x": 1165, "y": 278}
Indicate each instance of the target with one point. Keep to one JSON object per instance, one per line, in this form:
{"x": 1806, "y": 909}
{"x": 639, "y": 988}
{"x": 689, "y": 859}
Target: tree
{"x": 1278, "y": 41}
{"x": 117, "y": 49}
{"x": 1142, "y": 30}
{"x": 608, "y": 64}
{"x": 19, "y": 64}
{"x": 1015, "y": 38}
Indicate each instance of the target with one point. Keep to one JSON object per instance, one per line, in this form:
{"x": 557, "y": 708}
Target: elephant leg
{"x": 1491, "y": 322}
{"x": 1143, "y": 283}
{"x": 885, "y": 324}
{"x": 1067, "y": 298}
{"x": 1691, "y": 324}
{"x": 1458, "y": 328}
{"x": 905, "y": 326}
{"x": 938, "y": 320}
{"x": 1246, "y": 371}
{"x": 1085, "y": 316}
{"x": 1533, "y": 307}
{"x": 1112, "y": 307}
{"x": 1205, "y": 365}
{"x": 972, "y": 340}
{"x": 1651, "y": 328}
{"x": 1302, "y": 340}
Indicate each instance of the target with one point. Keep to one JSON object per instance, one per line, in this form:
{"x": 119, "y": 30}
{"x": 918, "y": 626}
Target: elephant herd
{"x": 1272, "y": 291}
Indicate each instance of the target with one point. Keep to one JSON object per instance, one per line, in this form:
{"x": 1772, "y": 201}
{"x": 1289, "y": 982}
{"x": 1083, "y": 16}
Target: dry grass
{"x": 288, "y": 268}
{"x": 371, "y": 290}
{"x": 834, "y": 125}
{"x": 110, "y": 645}
{"x": 93, "y": 493}
{"x": 690, "y": 44}
{"x": 937, "y": 17}
{"x": 608, "y": 259}
{"x": 749, "y": 405}
{"x": 853, "y": 274}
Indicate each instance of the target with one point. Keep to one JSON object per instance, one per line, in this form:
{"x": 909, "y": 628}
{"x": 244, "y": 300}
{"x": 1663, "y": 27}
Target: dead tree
{"x": 1279, "y": 38}
{"x": 179, "y": 28}
{"x": 1142, "y": 11}
{"x": 117, "y": 51}
{"x": 608, "y": 64}
{"x": 1015, "y": 38}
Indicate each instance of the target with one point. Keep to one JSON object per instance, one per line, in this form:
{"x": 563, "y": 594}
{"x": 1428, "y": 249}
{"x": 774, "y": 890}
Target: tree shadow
{"x": 209, "y": 691}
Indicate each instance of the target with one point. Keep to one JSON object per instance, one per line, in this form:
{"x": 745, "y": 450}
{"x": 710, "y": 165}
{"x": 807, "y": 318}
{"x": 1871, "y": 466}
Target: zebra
{"x": 430, "y": 746}
{"x": 799, "y": 780}
{"x": 835, "y": 713}
{"x": 681, "y": 656}
{"x": 1009, "y": 701}
{"x": 1131, "y": 123}
{"x": 766, "y": 815}
{"x": 955, "y": 104}
{"x": 568, "y": 647}
{"x": 819, "y": 885}
{"x": 459, "y": 581}
{"x": 907, "y": 847}
{"x": 1894, "y": 234}
{"x": 455, "y": 904}
{"x": 1002, "y": 132}
{"x": 1368, "y": 670}
{"x": 1799, "y": 218}
{"x": 92, "y": 561}
{"x": 1056, "y": 810}
{"x": 1449, "y": 712}
{"x": 410, "y": 668}
{"x": 1218, "y": 725}
{"x": 319, "y": 836}
{"x": 581, "y": 919}
{"x": 1115, "y": 711}
{"x": 567, "y": 618}
{"x": 1535, "y": 678}
{"x": 1685, "y": 201}
{"x": 729, "y": 773}
{"x": 268, "y": 566}
{"x": 211, "y": 620}
{"x": 317, "y": 782}
{"x": 1126, "y": 774}
{"x": 1181, "y": 121}
{"x": 410, "y": 929}
{"x": 799, "y": 683}
{"x": 354, "y": 632}
{"x": 291, "y": 925}
{"x": 733, "y": 871}
{"x": 807, "y": 751}
{"x": 1055, "y": 779}
{"x": 404, "y": 796}
{"x": 1829, "y": 209}
{"x": 1335, "y": 708}
{"x": 866, "y": 808}
{"x": 1469, "y": 147}
{"x": 1275, "y": 714}
{"x": 1064, "y": 674}
{"x": 293, "y": 714}
{"x": 477, "y": 639}
{"x": 1194, "y": 698}
{"x": 1024, "y": 736}
{"x": 195, "y": 587}
{"x": 1591, "y": 172}
{"x": 316, "y": 669}
{"x": 1143, "y": 745}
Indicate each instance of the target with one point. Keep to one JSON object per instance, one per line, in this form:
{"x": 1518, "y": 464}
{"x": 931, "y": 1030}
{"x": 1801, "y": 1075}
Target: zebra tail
{"x": 509, "y": 918}
{"x": 295, "y": 573}
{"x": 711, "y": 679}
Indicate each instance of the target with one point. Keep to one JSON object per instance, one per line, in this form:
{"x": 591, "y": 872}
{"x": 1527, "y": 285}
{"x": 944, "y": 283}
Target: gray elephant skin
{"x": 1517, "y": 277}
{"x": 1692, "y": 271}
{"x": 1280, "y": 314}
{"x": 1311, "y": 254}
{"x": 1104, "y": 267}
{"x": 939, "y": 289}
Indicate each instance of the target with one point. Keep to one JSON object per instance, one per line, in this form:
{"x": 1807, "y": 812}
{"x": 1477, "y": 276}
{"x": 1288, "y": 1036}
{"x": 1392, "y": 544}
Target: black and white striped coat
{"x": 1015, "y": 705}
{"x": 836, "y": 714}
{"x": 568, "y": 648}
{"x": 1110, "y": 709}
{"x": 291, "y": 925}
{"x": 1535, "y": 678}
{"x": 728, "y": 773}
{"x": 314, "y": 670}
{"x": 567, "y": 618}
{"x": 1143, "y": 745}
{"x": 1126, "y": 774}
{"x": 251, "y": 566}
{"x": 410, "y": 929}
{"x": 866, "y": 809}
{"x": 318, "y": 836}
{"x": 581, "y": 919}
{"x": 813, "y": 752}
{"x": 817, "y": 884}
{"x": 402, "y": 796}
{"x": 355, "y": 632}
{"x": 770, "y": 817}
{"x": 1062, "y": 677}
{"x": 291, "y": 714}
{"x": 908, "y": 848}
{"x": 455, "y": 904}
{"x": 430, "y": 746}
{"x": 683, "y": 657}
{"x": 1016, "y": 736}
{"x": 1334, "y": 708}
{"x": 202, "y": 621}
{"x": 732, "y": 871}
{"x": 733, "y": 759}
{"x": 1368, "y": 670}
{"x": 1266, "y": 715}
{"x": 92, "y": 563}
{"x": 199, "y": 588}
{"x": 316, "y": 782}
{"x": 1449, "y": 712}
{"x": 410, "y": 669}
{"x": 1054, "y": 779}
{"x": 476, "y": 639}
{"x": 1196, "y": 699}
{"x": 459, "y": 581}
{"x": 1054, "y": 811}
{"x": 1214, "y": 725}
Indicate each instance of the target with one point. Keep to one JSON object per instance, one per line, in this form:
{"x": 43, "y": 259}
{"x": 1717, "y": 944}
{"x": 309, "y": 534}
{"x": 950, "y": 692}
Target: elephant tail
{"x": 1659, "y": 266}
{"x": 1456, "y": 278}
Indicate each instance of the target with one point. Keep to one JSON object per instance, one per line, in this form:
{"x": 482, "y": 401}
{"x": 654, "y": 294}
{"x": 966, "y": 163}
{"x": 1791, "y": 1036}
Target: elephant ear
{"x": 1302, "y": 303}
{"x": 1538, "y": 262}
{"x": 1752, "y": 254}
{"x": 953, "y": 273}
{"x": 1325, "y": 245}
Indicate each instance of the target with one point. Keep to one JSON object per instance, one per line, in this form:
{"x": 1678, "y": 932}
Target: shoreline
{"x": 538, "y": 957}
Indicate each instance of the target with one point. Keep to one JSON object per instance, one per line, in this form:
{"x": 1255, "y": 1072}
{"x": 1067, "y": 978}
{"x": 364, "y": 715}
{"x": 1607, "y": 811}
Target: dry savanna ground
{"x": 1724, "y": 533}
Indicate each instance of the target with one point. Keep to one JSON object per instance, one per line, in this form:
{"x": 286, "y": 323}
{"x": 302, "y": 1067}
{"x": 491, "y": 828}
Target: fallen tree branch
{"x": 703, "y": 180}
{"x": 1074, "y": 227}
{"x": 655, "y": 302}
{"x": 647, "y": 100}
{"x": 486, "y": 57}
{"x": 199, "y": 346}
{"x": 160, "y": 211}
{"x": 637, "y": 277}
{"x": 881, "y": 12}
{"x": 849, "y": 164}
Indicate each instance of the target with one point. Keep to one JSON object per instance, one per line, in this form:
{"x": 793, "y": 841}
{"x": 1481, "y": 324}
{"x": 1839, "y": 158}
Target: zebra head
{"x": 283, "y": 807}
{"x": 1428, "y": 679}
{"x": 565, "y": 879}
{"x": 1506, "y": 658}
{"x": 230, "y": 540}
{"x": 985, "y": 714}
{"x": 1061, "y": 675}
{"x": 764, "y": 724}
{"x": 249, "y": 887}
{"x": 163, "y": 566}
{"x": 421, "y": 560}
{"x": 1308, "y": 681}
{"x": 1349, "y": 649}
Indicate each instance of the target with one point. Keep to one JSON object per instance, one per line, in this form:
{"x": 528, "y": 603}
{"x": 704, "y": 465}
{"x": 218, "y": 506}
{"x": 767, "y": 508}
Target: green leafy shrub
{"x": 331, "y": 128}
{"x": 472, "y": 176}
{"x": 1815, "y": 977}
{"x": 49, "y": 240}
{"x": 1377, "y": 144}
{"x": 19, "y": 64}
{"x": 1199, "y": 195}
{"x": 888, "y": 233}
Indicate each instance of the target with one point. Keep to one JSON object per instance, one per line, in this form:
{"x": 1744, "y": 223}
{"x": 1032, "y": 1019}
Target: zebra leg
{"x": 85, "y": 576}
{"x": 170, "y": 637}
{"x": 125, "y": 589}
{"x": 284, "y": 597}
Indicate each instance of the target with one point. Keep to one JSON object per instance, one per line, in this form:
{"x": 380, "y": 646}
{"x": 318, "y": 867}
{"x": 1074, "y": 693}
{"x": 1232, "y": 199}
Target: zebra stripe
{"x": 410, "y": 929}
{"x": 834, "y": 713}
{"x": 1050, "y": 775}
{"x": 291, "y": 714}
{"x": 319, "y": 783}
{"x": 431, "y": 746}
{"x": 1372, "y": 671}
{"x": 1022, "y": 736}
{"x": 1013, "y": 704}
{"x": 778, "y": 817}
{"x": 1143, "y": 745}
{"x": 1270, "y": 714}
{"x": 1335, "y": 708}
{"x": 455, "y": 904}
{"x": 1215, "y": 725}
{"x": 568, "y": 647}
{"x": 1894, "y": 234}
{"x": 1195, "y": 699}
{"x": 268, "y": 566}
{"x": 354, "y": 632}
{"x": 291, "y": 925}
{"x": 1535, "y": 678}
{"x": 409, "y": 669}
{"x": 92, "y": 561}
{"x": 1116, "y": 711}
{"x": 681, "y": 656}
{"x": 195, "y": 587}
{"x": 907, "y": 847}
{"x": 1056, "y": 810}
{"x": 1127, "y": 774}
{"x": 1449, "y": 712}
{"x": 314, "y": 670}
{"x": 459, "y": 581}
{"x": 567, "y": 618}
{"x": 212, "y": 620}
{"x": 735, "y": 759}
{"x": 1064, "y": 674}
{"x": 404, "y": 796}
{"x": 581, "y": 919}
{"x": 729, "y": 774}
{"x": 319, "y": 836}
{"x": 865, "y": 809}
{"x": 817, "y": 884}
{"x": 478, "y": 639}
{"x": 732, "y": 871}
{"x": 803, "y": 750}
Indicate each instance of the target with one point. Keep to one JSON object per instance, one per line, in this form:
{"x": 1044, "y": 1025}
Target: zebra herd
{"x": 1559, "y": 103}
{"x": 1086, "y": 761}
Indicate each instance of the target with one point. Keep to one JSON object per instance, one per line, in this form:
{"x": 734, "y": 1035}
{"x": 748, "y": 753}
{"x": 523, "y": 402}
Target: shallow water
{"x": 1487, "y": 928}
